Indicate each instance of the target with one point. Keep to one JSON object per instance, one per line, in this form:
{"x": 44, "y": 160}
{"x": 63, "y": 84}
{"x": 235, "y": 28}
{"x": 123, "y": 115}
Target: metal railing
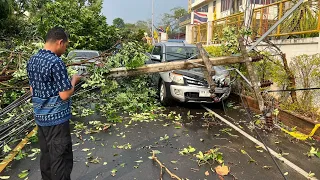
{"x": 199, "y": 33}
{"x": 304, "y": 22}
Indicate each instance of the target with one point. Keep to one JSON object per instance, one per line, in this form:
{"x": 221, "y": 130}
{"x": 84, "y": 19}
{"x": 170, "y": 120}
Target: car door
{"x": 156, "y": 52}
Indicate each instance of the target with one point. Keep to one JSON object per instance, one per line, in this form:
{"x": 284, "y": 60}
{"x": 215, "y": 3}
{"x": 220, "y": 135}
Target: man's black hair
{"x": 57, "y": 33}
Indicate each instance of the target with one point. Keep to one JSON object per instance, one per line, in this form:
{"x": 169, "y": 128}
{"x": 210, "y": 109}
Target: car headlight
{"x": 176, "y": 78}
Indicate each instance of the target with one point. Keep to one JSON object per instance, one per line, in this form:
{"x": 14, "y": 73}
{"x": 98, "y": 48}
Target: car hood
{"x": 191, "y": 73}
{"x": 197, "y": 73}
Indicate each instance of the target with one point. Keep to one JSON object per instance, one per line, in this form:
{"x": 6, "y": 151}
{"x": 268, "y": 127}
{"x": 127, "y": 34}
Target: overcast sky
{"x": 133, "y": 10}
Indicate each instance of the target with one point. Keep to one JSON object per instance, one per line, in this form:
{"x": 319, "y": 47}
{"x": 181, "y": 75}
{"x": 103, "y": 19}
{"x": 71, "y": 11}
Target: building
{"x": 215, "y": 10}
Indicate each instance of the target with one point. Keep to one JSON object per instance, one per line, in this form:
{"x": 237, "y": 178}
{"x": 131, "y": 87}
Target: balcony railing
{"x": 304, "y": 22}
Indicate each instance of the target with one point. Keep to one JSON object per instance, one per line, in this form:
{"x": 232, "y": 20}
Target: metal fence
{"x": 199, "y": 33}
{"x": 304, "y": 22}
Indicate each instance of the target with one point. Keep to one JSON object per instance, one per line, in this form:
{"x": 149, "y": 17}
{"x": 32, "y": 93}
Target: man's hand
{"x": 75, "y": 79}
{"x": 65, "y": 95}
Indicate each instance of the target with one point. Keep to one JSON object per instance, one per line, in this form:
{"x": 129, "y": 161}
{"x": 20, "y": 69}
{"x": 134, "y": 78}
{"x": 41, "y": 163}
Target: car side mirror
{"x": 156, "y": 58}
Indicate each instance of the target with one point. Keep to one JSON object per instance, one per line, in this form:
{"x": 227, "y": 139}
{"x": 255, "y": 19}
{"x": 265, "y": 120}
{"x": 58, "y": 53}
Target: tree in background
{"x": 172, "y": 20}
{"x": 118, "y": 23}
{"x": 12, "y": 22}
{"x": 6, "y": 8}
{"x": 88, "y": 29}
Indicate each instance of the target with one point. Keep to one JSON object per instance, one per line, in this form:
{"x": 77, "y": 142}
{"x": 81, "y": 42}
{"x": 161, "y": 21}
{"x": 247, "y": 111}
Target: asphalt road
{"x": 199, "y": 132}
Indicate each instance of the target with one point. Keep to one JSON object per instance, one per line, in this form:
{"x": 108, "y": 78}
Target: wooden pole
{"x": 208, "y": 71}
{"x": 252, "y": 74}
{"x": 176, "y": 65}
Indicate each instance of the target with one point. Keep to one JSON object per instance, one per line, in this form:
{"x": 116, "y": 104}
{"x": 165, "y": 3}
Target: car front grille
{"x": 194, "y": 96}
{"x": 195, "y": 82}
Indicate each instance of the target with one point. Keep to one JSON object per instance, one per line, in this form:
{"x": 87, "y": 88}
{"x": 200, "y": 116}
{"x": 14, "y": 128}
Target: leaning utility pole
{"x": 247, "y": 19}
{"x": 152, "y": 22}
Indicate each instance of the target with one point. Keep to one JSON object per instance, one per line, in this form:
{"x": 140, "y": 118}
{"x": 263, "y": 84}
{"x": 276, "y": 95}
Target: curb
{"x": 290, "y": 119}
{"x": 16, "y": 150}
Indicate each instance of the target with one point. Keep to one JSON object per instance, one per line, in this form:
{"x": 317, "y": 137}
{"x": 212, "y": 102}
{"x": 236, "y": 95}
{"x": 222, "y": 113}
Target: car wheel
{"x": 164, "y": 95}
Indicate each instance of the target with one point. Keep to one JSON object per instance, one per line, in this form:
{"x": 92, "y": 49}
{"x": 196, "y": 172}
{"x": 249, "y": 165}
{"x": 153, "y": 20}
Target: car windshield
{"x": 84, "y": 54}
{"x": 174, "y": 53}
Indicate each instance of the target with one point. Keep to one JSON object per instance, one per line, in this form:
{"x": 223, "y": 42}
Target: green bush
{"x": 214, "y": 51}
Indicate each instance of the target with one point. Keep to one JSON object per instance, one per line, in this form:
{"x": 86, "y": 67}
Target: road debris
{"x": 173, "y": 176}
{"x": 251, "y": 159}
{"x": 222, "y": 170}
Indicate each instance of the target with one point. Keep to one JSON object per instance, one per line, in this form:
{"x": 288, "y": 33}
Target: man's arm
{"x": 63, "y": 84}
{"x": 67, "y": 94}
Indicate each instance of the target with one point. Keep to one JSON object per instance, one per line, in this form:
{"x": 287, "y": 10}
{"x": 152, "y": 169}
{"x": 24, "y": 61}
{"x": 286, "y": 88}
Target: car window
{"x": 82, "y": 54}
{"x": 156, "y": 50}
{"x": 174, "y": 53}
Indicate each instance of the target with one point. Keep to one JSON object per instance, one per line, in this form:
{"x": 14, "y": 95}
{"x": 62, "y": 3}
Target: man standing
{"x": 51, "y": 91}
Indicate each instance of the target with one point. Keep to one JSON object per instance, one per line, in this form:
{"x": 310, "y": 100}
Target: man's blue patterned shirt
{"x": 48, "y": 76}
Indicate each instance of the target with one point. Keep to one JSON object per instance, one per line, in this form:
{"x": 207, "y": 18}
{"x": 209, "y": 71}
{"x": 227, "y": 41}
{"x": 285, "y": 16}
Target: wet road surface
{"x": 198, "y": 132}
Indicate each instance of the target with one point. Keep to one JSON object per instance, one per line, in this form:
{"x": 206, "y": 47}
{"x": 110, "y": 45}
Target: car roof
{"x": 175, "y": 44}
{"x": 176, "y": 40}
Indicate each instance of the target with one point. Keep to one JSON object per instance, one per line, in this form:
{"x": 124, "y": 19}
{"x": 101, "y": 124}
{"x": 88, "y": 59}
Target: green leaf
{"x": 173, "y": 162}
{"x": 191, "y": 149}
{"x": 4, "y": 177}
{"x": 6, "y": 148}
{"x": 311, "y": 174}
{"x": 243, "y": 151}
{"x": 113, "y": 172}
{"x": 156, "y": 151}
{"x": 23, "y": 174}
{"x": 105, "y": 163}
{"x": 139, "y": 161}
{"x": 200, "y": 155}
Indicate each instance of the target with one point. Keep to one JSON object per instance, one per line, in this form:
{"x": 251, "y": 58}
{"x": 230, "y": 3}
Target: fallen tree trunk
{"x": 176, "y": 65}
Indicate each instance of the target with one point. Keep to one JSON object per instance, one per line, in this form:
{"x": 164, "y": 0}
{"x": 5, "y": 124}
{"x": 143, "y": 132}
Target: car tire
{"x": 164, "y": 95}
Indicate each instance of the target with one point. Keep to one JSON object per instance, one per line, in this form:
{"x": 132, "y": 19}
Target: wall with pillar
{"x": 296, "y": 47}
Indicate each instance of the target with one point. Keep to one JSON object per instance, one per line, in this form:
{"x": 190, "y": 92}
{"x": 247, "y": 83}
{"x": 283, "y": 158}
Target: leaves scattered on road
{"x": 188, "y": 150}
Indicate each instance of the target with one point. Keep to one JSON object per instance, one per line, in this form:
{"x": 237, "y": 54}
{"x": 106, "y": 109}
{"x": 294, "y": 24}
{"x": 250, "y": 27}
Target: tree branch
{"x": 173, "y": 176}
{"x": 6, "y": 67}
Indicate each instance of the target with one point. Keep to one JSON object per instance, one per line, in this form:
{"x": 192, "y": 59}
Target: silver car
{"x": 186, "y": 85}
{"x": 80, "y": 55}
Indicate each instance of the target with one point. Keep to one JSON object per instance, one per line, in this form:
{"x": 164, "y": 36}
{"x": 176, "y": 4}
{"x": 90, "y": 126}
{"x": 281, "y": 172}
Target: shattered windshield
{"x": 174, "y": 53}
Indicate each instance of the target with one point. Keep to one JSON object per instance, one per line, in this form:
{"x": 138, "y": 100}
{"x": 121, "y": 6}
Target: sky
{"x": 133, "y": 10}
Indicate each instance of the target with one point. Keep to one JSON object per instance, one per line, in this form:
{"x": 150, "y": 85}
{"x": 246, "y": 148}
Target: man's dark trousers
{"x": 56, "y": 160}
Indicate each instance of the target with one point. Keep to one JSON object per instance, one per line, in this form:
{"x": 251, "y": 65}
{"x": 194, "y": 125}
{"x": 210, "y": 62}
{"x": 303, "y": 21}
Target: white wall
{"x": 295, "y": 47}
{"x": 189, "y": 33}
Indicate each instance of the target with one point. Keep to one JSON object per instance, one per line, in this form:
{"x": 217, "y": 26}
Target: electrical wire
{"x": 286, "y": 90}
{"x": 249, "y": 114}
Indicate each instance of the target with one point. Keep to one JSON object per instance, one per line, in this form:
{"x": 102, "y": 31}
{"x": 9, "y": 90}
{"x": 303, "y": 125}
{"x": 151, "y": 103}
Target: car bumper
{"x": 195, "y": 94}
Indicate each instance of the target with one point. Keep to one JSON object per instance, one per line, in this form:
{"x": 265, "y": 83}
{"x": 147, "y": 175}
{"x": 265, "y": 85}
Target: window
{"x": 203, "y": 9}
{"x": 225, "y": 5}
{"x": 262, "y": 1}
{"x": 157, "y": 51}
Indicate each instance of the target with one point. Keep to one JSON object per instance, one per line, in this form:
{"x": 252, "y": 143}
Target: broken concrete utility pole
{"x": 208, "y": 71}
{"x": 176, "y": 65}
{"x": 252, "y": 74}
